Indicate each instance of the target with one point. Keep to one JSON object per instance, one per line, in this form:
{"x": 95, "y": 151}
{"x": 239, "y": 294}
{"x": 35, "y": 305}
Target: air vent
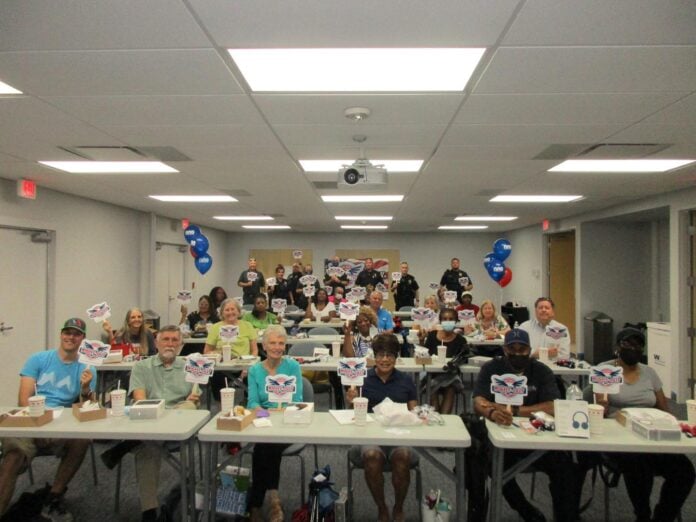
{"x": 622, "y": 150}
{"x": 119, "y": 153}
{"x": 325, "y": 185}
{"x": 561, "y": 151}
{"x": 164, "y": 153}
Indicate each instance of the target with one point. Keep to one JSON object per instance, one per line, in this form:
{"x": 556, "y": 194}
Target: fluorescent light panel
{"x": 8, "y": 89}
{"x": 364, "y": 227}
{"x": 333, "y": 165}
{"x": 357, "y": 70}
{"x": 534, "y": 199}
{"x": 110, "y": 167}
{"x": 462, "y": 227}
{"x": 485, "y": 218}
{"x": 623, "y": 165}
{"x": 194, "y": 199}
{"x": 243, "y": 218}
{"x": 361, "y": 199}
{"x": 267, "y": 227}
{"x": 363, "y": 218}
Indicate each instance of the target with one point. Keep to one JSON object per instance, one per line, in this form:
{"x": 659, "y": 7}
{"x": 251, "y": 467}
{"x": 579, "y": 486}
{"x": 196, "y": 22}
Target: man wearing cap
{"x": 545, "y": 332}
{"x": 456, "y": 279}
{"x": 62, "y": 380}
{"x": 541, "y": 392}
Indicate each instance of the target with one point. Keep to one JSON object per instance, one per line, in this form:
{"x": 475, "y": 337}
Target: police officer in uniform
{"x": 452, "y": 279}
{"x": 369, "y": 276}
{"x": 406, "y": 289}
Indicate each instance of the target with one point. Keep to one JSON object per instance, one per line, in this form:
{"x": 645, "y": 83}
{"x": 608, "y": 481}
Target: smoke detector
{"x": 357, "y": 113}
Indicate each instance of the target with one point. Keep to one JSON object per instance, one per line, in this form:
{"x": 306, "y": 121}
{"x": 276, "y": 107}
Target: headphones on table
{"x": 577, "y": 424}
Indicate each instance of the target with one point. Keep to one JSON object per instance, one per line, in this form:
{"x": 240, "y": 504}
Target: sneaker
{"x": 55, "y": 510}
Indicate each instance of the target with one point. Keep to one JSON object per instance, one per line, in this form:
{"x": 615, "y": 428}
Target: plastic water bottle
{"x": 516, "y": 325}
{"x": 573, "y": 393}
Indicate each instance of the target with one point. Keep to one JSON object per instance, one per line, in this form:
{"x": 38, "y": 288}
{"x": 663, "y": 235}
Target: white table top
{"x": 324, "y": 429}
{"x": 338, "y": 324}
{"x": 235, "y": 364}
{"x": 614, "y": 437}
{"x": 402, "y": 314}
{"x": 173, "y": 425}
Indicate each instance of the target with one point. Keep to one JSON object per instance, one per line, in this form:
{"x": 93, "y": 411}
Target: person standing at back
{"x": 251, "y": 282}
{"x": 369, "y": 276}
{"x": 405, "y": 290}
{"x": 456, "y": 279}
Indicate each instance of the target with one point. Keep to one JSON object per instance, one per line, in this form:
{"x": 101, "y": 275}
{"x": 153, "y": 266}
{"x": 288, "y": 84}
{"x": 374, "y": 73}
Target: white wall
{"x": 526, "y": 265}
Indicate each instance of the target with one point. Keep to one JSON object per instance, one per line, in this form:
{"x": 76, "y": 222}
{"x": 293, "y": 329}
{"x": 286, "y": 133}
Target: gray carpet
{"x": 88, "y": 503}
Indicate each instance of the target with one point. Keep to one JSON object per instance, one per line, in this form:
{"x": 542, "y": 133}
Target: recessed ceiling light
{"x": 333, "y": 165}
{"x": 267, "y": 227}
{"x": 534, "y": 199}
{"x": 243, "y": 218}
{"x": 7, "y": 89}
{"x": 110, "y": 167}
{"x": 361, "y": 199}
{"x": 485, "y": 218}
{"x": 632, "y": 165}
{"x": 357, "y": 70}
{"x": 194, "y": 199}
{"x": 364, "y": 227}
{"x": 462, "y": 227}
{"x": 363, "y": 218}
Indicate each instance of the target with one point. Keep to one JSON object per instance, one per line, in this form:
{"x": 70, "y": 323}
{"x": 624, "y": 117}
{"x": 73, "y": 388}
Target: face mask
{"x": 518, "y": 362}
{"x": 448, "y": 326}
{"x": 630, "y": 357}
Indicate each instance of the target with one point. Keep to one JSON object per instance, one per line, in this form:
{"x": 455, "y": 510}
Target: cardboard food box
{"x": 424, "y": 360}
{"x": 89, "y": 415}
{"x": 147, "y": 409}
{"x": 298, "y": 413}
{"x": 12, "y": 420}
{"x": 235, "y": 423}
{"x": 115, "y": 356}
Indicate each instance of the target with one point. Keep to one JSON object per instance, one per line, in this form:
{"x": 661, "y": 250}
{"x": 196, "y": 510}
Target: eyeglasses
{"x": 385, "y": 355}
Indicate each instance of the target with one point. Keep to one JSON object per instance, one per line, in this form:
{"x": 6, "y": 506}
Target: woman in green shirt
{"x": 245, "y": 341}
{"x": 260, "y": 318}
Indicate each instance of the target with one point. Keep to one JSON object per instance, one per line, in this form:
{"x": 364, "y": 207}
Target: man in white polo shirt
{"x": 545, "y": 332}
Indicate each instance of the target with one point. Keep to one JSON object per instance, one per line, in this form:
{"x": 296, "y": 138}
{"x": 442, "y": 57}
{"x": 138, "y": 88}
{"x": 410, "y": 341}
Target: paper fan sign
{"x": 450, "y": 296}
{"x": 308, "y": 279}
{"x": 352, "y": 370}
{"x": 252, "y": 276}
{"x": 99, "y": 312}
{"x": 434, "y": 286}
{"x": 606, "y": 378}
{"x": 198, "y": 368}
{"x": 353, "y": 297}
{"x": 229, "y": 333}
{"x": 309, "y": 291}
{"x": 464, "y": 281}
{"x": 348, "y": 310}
{"x": 396, "y": 276}
{"x": 184, "y": 296}
{"x": 335, "y": 271}
{"x": 468, "y": 317}
{"x": 280, "y": 387}
{"x": 509, "y": 389}
{"x": 360, "y": 291}
{"x": 423, "y": 317}
{"x": 297, "y": 254}
{"x": 271, "y": 281}
{"x": 93, "y": 352}
{"x": 279, "y": 305}
{"x": 383, "y": 289}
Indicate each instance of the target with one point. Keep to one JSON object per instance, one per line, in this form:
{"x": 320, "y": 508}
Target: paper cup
{"x": 596, "y": 414}
{"x": 37, "y": 405}
{"x": 544, "y": 354}
{"x": 118, "y": 402}
{"x": 691, "y": 411}
{"x": 226, "y": 400}
{"x": 442, "y": 353}
{"x": 226, "y": 353}
{"x": 336, "y": 349}
{"x": 360, "y": 411}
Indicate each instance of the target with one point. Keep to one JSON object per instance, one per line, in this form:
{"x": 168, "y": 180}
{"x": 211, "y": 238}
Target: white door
{"x": 23, "y": 284}
{"x": 169, "y": 279}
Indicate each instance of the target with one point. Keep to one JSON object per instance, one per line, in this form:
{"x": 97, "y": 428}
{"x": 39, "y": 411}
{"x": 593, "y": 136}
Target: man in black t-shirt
{"x": 251, "y": 282}
{"x": 406, "y": 289}
{"x": 293, "y": 280}
{"x": 456, "y": 279}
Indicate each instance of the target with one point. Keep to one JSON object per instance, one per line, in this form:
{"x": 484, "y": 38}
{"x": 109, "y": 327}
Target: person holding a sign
{"x": 299, "y": 294}
{"x": 456, "y": 279}
{"x": 251, "y": 282}
{"x": 545, "y": 332}
{"x": 294, "y": 282}
{"x": 159, "y": 377}
{"x": 358, "y": 334}
{"x": 260, "y": 317}
{"x": 134, "y": 332}
{"x": 422, "y": 329}
{"x": 57, "y": 376}
{"x": 404, "y": 288}
{"x": 385, "y": 381}
{"x": 467, "y": 303}
{"x": 320, "y": 309}
{"x": 281, "y": 288}
{"x": 335, "y": 278}
{"x": 642, "y": 388}
{"x": 279, "y": 375}
{"x": 198, "y": 320}
{"x": 490, "y": 324}
{"x": 517, "y": 367}
{"x": 385, "y": 323}
{"x": 369, "y": 276}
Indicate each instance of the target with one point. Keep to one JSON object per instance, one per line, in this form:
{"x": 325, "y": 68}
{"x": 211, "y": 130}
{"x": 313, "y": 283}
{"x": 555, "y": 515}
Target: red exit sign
{"x": 26, "y": 188}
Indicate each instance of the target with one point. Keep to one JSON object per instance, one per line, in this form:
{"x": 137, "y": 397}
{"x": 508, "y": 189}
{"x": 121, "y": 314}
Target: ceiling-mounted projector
{"x": 362, "y": 175}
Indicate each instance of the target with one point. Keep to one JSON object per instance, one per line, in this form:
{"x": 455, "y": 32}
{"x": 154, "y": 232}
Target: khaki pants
{"x": 148, "y": 459}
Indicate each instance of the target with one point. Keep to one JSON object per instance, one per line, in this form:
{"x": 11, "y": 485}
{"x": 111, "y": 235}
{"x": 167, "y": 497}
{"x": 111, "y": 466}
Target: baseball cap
{"x": 467, "y": 293}
{"x": 76, "y": 324}
{"x": 517, "y": 335}
{"x": 630, "y": 333}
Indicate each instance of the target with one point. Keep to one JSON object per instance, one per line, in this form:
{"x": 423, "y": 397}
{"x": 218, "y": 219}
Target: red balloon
{"x": 507, "y": 277}
{"x": 193, "y": 253}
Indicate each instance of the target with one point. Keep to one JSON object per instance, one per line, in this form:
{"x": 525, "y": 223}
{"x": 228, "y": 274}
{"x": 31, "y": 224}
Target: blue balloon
{"x": 203, "y": 263}
{"x": 191, "y": 232}
{"x": 496, "y": 269}
{"x": 490, "y": 256}
{"x": 200, "y": 245}
{"x": 502, "y": 249}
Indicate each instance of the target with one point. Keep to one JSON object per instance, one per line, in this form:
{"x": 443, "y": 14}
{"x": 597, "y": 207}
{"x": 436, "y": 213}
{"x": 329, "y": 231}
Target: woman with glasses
{"x": 642, "y": 388}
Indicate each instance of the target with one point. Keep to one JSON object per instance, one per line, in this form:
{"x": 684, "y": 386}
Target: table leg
{"x": 427, "y": 387}
{"x": 183, "y": 472}
{"x": 207, "y": 472}
{"x": 192, "y": 477}
{"x": 496, "y": 496}
{"x": 460, "y": 484}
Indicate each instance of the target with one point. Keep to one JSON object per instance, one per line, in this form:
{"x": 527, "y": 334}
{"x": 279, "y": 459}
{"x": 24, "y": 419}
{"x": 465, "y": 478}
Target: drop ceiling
{"x": 155, "y": 76}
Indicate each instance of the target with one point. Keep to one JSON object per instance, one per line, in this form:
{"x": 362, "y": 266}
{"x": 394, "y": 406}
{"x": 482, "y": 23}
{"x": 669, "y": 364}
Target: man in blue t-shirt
{"x": 58, "y": 376}
{"x": 385, "y": 323}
